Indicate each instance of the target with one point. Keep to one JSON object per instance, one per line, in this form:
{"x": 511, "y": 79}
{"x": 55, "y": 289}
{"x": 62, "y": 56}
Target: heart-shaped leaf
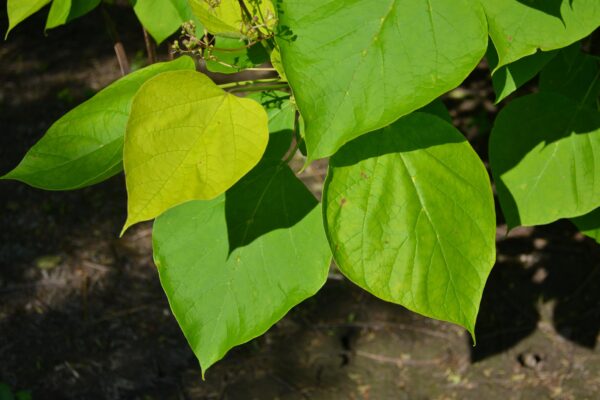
{"x": 187, "y": 139}
{"x": 227, "y": 292}
{"x": 357, "y": 66}
{"x": 409, "y": 214}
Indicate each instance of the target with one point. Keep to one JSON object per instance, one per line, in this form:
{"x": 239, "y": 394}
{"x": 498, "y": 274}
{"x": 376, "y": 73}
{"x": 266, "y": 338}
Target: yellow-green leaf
{"x": 19, "y": 10}
{"x": 225, "y": 17}
{"x": 187, "y": 139}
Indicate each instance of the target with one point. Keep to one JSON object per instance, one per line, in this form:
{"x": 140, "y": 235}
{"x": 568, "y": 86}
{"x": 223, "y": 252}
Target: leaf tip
{"x": 10, "y": 175}
{"x": 471, "y": 331}
{"x": 127, "y": 225}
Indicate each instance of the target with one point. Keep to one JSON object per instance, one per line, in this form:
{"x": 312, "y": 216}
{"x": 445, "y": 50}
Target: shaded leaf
{"x": 409, "y": 214}
{"x": 510, "y": 77}
{"x": 589, "y": 224}
{"x": 543, "y": 151}
{"x": 438, "y": 108}
{"x": 281, "y": 114}
{"x": 573, "y": 74}
{"x": 235, "y": 56}
{"x": 85, "y": 146}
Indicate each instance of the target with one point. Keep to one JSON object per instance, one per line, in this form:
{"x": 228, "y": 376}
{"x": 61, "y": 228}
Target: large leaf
{"x": 63, "y": 11}
{"x": 227, "y": 292}
{"x": 519, "y": 28}
{"x": 19, "y": 10}
{"x": 358, "y": 66}
{"x": 573, "y": 74}
{"x": 544, "y": 156}
{"x": 589, "y": 224}
{"x": 163, "y": 17}
{"x": 226, "y": 17}
{"x": 410, "y": 217}
{"x": 187, "y": 139}
{"x": 85, "y": 146}
{"x": 510, "y": 77}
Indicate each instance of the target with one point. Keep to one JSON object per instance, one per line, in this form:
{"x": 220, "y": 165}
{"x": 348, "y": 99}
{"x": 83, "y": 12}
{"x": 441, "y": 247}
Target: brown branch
{"x": 118, "y": 45}
{"x": 150, "y": 47}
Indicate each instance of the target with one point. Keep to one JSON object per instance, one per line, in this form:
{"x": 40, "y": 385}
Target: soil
{"x": 82, "y": 314}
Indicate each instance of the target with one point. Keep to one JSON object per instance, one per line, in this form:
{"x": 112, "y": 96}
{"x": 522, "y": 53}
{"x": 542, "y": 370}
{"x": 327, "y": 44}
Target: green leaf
{"x": 234, "y": 55}
{"x": 187, "y": 139}
{"x": 162, "y": 18}
{"x": 572, "y": 74}
{"x": 225, "y": 17}
{"x": 357, "y": 66}
{"x": 19, "y": 10}
{"x": 589, "y": 224}
{"x": 277, "y": 63}
{"x": 6, "y": 392}
{"x": 438, "y": 108}
{"x": 543, "y": 151}
{"x": 63, "y": 11}
{"x": 409, "y": 214}
{"x": 519, "y": 28}
{"x": 509, "y": 78}
{"x": 281, "y": 114}
{"x": 226, "y": 292}
{"x": 85, "y": 146}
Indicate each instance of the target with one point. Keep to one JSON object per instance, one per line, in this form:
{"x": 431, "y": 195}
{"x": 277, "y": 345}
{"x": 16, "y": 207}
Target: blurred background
{"x": 82, "y": 314}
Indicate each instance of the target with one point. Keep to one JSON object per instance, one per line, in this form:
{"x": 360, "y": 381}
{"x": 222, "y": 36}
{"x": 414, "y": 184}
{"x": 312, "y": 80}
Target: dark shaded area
{"x": 270, "y": 197}
{"x": 550, "y": 7}
{"x": 82, "y": 314}
{"x": 401, "y": 136}
{"x": 543, "y": 265}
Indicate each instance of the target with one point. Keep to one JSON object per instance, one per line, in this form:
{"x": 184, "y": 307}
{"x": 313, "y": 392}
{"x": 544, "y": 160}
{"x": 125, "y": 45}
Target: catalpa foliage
{"x": 408, "y": 209}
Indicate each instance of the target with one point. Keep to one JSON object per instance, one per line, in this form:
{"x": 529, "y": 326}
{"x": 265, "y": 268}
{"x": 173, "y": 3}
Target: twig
{"x": 245, "y": 10}
{"x": 118, "y": 45}
{"x": 150, "y": 47}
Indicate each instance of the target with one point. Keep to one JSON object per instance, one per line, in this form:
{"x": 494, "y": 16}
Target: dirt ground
{"x": 82, "y": 314}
